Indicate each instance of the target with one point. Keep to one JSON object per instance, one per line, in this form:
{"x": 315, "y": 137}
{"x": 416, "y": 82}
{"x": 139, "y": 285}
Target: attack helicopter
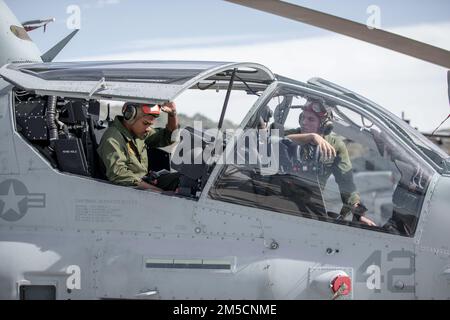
{"x": 238, "y": 229}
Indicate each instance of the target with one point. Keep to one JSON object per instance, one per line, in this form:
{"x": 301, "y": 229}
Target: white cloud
{"x": 395, "y": 81}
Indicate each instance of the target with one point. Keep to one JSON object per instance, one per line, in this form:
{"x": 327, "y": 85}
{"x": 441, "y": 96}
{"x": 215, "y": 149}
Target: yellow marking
{"x": 130, "y": 149}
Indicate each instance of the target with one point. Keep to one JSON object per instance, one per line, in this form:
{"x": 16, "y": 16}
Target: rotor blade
{"x": 352, "y": 29}
{"x": 53, "y": 52}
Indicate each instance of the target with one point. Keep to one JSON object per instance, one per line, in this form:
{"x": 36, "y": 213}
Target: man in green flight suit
{"x": 123, "y": 148}
{"x": 316, "y": 126}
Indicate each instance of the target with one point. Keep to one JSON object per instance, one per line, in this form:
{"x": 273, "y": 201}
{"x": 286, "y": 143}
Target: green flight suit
{"x": 341, "y": 168}
{"x": 125, "y": 156}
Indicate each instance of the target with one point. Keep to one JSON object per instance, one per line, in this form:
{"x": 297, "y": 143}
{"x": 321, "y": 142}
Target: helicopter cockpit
{"x": 386, "y": 177}
{"x": 62, "y": 109}
{"x": 57, "y": 110}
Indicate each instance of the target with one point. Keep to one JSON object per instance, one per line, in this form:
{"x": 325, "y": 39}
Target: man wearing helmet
{"x": 316, "y": 124}
{"x": 123, "y": 148}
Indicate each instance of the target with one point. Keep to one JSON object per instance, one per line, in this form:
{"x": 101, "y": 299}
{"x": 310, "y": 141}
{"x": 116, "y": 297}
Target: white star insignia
{"x": 11, "y": 201}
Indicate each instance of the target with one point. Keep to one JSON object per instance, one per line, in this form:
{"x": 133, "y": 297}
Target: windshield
{"x": 367, "y": 163}
{"x": 433, "y": 152}
{"x": 408, "y": 133}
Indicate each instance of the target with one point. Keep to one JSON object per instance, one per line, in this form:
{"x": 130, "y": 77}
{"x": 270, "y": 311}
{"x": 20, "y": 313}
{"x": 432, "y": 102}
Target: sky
{"x": 222, "y": 31}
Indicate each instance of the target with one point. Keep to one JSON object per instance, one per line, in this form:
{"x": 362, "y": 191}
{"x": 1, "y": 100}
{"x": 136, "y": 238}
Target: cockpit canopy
{"x": 139, "y": 81}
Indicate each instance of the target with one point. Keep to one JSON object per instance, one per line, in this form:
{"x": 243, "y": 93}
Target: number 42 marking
{"x": 370, "y": 272}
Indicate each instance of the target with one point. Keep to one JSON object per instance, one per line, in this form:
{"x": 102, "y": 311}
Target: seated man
{"x": 315, "y": 128}
{"x": 123, "y": 148}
